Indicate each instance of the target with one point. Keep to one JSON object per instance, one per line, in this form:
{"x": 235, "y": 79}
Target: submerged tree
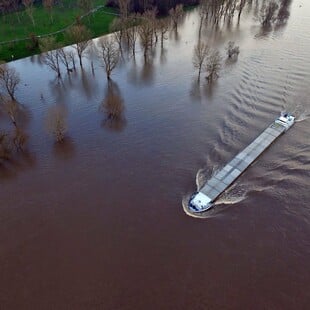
{"x": 109, "y": 52}
{"x": 146, "y": 35}
{"x": 5, "y": 146}
{"x": 268, "y": 13}
{"x": 283, "y": 13}
{"x": 132, "y": 32}
{"x": 51, "y": 56}
{"x": 213, "y": 66}
{"x": 66, "y": 57}
{"x": 201, "y": 51}
{"x": 113, "y": 107}
{"x": 11, "y": 108}
{"x": 81, "y": 36}
{"x": 241, "y": 6}
{"x": 176, "y": 14}
{"x": 9, "y": 80}
{"x": 150, "y": 15}
{"x": 232, "y": 50}
{"x": 19, "y": 139}
{"x": 56, "y": 122}
{"x": 118, "y": 28}
{"x": 163, "y": 25}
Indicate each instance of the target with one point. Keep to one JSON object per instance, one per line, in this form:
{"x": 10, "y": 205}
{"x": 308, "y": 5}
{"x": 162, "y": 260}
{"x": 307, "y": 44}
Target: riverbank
{"x": 18, "y": 33}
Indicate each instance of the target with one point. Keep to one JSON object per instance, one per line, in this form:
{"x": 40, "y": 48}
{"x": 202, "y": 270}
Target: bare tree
{"x": 19, "y": 139}
{"x": 67, "y": 59}
{"x": 232, "y": 50}
{"x": 132, "y": 32}
{"x": 213, "y": 65}
{"x": 9, "y": 79}
{"x": 150, "y": 15}
{"x": 109, "y": 52}
{"x": 118, "y": 29}
{"x": 29, "y": 7}
{"x": 5, "y": 146}
{"x": 12, "y": 109}
{"x": 268, "y": 13}
{"x": 51, "y": 56}
{"x": 241, "y": 6}
{"x": 56, "y": 122}
{"x": 146, "y": 35}
{"x": 176, "y": 14}
{"x": 80, "y": 35}
{"x": 163, "y": 25}
{"x": 201, "y": 51}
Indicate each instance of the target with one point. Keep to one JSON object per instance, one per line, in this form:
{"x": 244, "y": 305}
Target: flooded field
{"x": 98, "y": 222}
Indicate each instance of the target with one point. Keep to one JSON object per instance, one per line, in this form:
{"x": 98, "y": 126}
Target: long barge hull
{"x": 204, "y": 199}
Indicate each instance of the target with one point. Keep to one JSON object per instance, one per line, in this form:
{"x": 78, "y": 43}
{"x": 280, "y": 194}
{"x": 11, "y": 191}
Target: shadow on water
{"x": 64, "y": 150}
{"x": 147, "y": 72}
{"x": 86, "y": 84}
{"x": 209, "y": 88}
{"x": 263, "y": 32}
{"x": 18, "y": 163}
{"x": 142, "y": 74}
{"x": 163, "y": 56}
{"x": 17, "y": 112}
{"x": 175, "y": 35}
{"x": 61, "y": 88}
{"x": 202, "y": 89}
{"x": 113, "y": 108}
{"x": 195, "y": 90}
{"x": 37, "y": 59}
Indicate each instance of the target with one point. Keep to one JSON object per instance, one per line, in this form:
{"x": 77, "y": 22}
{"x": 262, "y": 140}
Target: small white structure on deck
{"x": 203, "y": 200}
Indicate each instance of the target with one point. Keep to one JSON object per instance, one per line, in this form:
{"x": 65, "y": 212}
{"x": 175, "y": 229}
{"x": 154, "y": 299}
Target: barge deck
{"x": 203, "y": 200}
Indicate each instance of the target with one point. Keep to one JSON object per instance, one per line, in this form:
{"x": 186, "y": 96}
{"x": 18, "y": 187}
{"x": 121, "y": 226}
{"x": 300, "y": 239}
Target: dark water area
{"x": 98, "y": 223}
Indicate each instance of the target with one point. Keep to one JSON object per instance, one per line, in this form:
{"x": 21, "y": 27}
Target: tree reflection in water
{"x": 16, "y": 163}
{"x": 147, "y": 71}
{"x": 113, "y": 108}
{"x": 64, "y": 150}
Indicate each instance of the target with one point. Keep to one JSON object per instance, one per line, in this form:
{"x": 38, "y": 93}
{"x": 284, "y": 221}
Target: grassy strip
{"x": 11, "y": 28}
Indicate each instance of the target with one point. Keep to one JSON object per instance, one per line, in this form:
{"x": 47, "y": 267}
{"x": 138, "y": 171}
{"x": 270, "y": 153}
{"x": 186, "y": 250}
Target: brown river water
{"x": 98, "y": 222}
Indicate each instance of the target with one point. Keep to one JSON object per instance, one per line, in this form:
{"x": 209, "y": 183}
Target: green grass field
{"x": 18, "y": 25}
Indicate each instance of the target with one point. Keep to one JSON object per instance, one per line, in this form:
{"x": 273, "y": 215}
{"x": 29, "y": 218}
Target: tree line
{"x": 163, "y": 6}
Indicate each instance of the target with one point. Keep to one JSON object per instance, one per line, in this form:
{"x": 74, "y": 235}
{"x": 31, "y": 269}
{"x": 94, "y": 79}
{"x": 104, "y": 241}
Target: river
{"x": 98, "y": 222}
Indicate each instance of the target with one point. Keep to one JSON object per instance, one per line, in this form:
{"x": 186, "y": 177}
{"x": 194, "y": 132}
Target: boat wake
{"x": 200, "y": 178}
{"x": 235, "y": 194}
{"x": 300, "y": 111}
{"x": 303, "y": 116}
{"x": 221, "y": 189}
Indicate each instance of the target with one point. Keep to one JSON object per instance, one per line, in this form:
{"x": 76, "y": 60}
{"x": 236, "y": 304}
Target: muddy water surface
{"x": 98, "y": 222}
